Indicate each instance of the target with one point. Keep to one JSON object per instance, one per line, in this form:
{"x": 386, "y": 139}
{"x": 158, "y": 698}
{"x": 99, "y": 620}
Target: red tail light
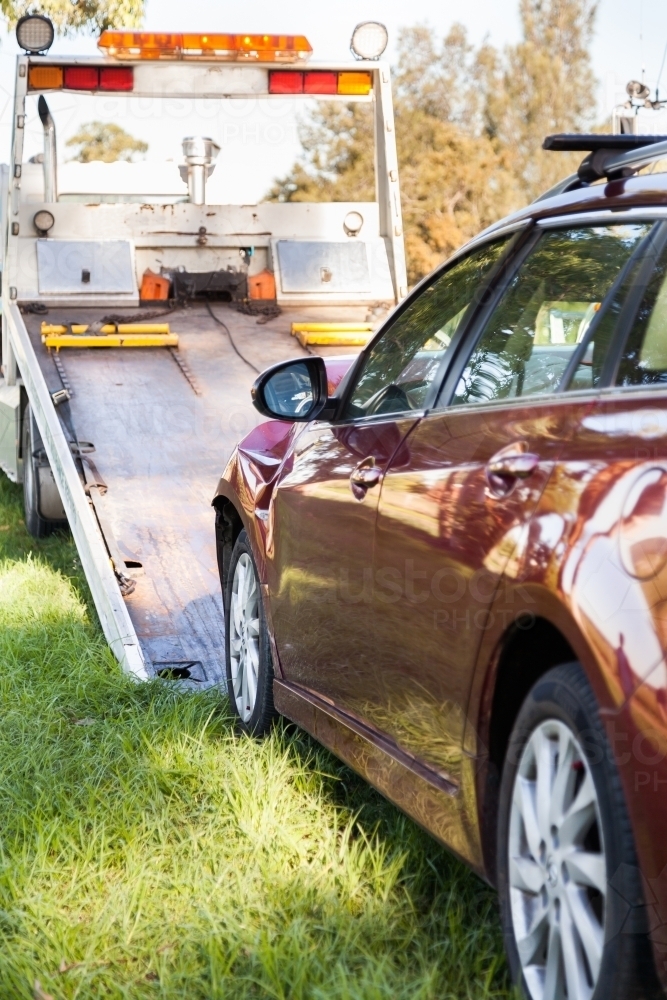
{"x": 82, "y": 78}
{"x": 320, "y": 82}
{"x": 117, "y": 78}
{"x": 285, "y": 82}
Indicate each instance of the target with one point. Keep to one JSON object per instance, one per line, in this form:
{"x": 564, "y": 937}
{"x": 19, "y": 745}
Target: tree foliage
{"x": 470, "y": 122}
{"x": 105, "y": 141}
{"x": 71, "y": 16}
{"x": 544, "y": 85}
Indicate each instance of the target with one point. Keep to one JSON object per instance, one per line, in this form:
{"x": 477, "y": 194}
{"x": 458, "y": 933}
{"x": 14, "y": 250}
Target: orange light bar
{"x": 45, "y": 77}
{"x": 354, "y": 83}
{"x": 230, "y": 48}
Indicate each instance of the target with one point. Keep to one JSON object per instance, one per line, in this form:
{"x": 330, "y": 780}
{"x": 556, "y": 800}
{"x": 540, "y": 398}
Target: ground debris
{"x": 39, "y": 993}
{"x": 68, "y": 966}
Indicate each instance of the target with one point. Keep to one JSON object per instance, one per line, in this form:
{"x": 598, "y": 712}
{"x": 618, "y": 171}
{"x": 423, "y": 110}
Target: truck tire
{"x": 44, "y": 512}
{"x": 247, "y": 647}
{"x": 573, "y": 911}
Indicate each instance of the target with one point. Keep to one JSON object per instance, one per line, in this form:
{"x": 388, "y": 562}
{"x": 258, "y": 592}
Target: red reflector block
{"x": 117, "y": 78}
{"x": 285, "y": 82}
{"x": 82, "y": 78}
{"x": 320, "y": 82}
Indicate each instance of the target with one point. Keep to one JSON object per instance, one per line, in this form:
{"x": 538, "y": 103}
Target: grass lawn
{"x": 147, "y": 850}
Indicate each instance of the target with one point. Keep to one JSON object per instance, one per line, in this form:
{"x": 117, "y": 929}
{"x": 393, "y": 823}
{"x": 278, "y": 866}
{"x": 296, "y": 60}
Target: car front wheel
{"x": 569, "y": 882}
{"x": 247, "y": 647}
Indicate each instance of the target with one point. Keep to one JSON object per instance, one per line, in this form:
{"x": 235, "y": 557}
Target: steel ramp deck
{"x": 160, "y": 448}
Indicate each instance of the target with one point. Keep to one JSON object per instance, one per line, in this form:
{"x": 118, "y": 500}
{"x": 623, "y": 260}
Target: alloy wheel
{"x": 557, "y": 867}
{"x": 244, "y": 637}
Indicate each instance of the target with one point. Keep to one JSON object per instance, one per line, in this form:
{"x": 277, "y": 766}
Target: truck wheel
{"x": 571, "y": 899}
{"x": 247, "y": 648}
{"x": 44, "y": 512}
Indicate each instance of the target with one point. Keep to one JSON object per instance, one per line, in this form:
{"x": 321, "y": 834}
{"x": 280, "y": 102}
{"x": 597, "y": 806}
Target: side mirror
{"x": 292, "y": 390}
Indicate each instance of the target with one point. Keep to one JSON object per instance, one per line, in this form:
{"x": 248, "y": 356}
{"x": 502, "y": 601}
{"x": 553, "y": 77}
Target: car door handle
{"x": 514, "y": 466}
{"x": 365, "y": 476}
{"x": 503, "y": 470}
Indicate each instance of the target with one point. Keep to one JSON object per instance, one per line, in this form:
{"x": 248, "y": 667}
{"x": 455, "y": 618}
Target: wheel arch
{"x": 228, "y": 527}
{"x": 527, "y": 649}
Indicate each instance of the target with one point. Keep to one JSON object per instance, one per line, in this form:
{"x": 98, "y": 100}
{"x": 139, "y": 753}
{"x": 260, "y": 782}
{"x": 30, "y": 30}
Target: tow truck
{"x": 118, "y": 418}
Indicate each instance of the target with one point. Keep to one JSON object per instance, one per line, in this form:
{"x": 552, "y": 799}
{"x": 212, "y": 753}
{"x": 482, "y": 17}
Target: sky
{"x": 260, "y": 142}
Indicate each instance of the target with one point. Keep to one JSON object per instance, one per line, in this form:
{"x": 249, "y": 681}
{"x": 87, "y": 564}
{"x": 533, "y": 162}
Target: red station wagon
{"x": 447, "y": 561}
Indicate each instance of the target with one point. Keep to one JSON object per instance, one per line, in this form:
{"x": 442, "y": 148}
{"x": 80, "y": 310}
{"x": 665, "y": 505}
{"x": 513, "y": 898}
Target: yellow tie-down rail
{"x": 332, "y": 334}
{"x": 109, "y": 335}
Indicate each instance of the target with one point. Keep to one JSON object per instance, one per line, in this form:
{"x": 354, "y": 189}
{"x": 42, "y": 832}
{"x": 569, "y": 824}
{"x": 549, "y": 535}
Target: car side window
{"x": 545, "y": 313}
{"x": 400, "y": 368}
{"x": 644, "y": 359}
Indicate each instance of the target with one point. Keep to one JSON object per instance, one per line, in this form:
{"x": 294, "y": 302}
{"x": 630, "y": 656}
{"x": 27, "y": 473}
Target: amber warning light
{"x": 231, "y": 48}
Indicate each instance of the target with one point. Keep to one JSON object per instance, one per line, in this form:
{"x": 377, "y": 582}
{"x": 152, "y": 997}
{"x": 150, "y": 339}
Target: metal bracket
{"x": 95, "y": 491}
{"x": 98, "y": 483}
{"x": 60, "y": 396}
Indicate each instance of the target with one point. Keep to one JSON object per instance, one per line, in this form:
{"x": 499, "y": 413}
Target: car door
{"x": 320, "y": 547}
{"x": 615, "y": 568}
{"x": 323, "y": 509}
{"x": 453, "y": 508}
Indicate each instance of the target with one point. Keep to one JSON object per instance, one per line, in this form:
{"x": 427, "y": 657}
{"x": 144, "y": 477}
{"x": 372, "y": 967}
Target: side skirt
{"x": 430, "y": 799}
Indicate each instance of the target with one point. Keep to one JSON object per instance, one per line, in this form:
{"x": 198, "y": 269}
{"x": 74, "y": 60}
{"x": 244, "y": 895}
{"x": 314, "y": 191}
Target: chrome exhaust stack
{"x": 50, "y": 164}
{"x": 199, "y": 152}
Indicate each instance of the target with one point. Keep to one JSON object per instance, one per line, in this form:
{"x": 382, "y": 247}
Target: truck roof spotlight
{"x": 35, "y": 33}
{"x": 637, "y": 90}
{"x": 369, "y": 40}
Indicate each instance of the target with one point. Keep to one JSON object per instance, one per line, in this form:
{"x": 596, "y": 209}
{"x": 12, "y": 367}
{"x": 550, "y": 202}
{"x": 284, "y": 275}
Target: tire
{"x": 247, "y": 649}
{"x": 42, "y": 506}
{"x": 571, "y": 898}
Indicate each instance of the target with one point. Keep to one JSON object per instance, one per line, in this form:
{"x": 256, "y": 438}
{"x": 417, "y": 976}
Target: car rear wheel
{"x": 569, "y": 882}
{"x": 248, "y": 651}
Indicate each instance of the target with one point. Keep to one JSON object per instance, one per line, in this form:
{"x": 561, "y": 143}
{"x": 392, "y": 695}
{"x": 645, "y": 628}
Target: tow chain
{"x": 60, "y": 368}
{"x": 182, "y": 364}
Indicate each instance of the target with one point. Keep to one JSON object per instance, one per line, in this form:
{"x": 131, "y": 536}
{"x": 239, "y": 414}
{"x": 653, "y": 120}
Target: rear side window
{"x": 400, "y": 368}
{"x": 545, "y": 313}
{"x": 644, "y": 360}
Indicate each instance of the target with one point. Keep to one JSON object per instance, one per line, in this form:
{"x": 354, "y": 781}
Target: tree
{"x": 469, "y": 126}
{"x": 453, "y": 185}
{"x": 453, "y": 179}
{"x": 105, "y": 141}
{"x": 336, "y": 165}
{"x": 71, "y": 16}
{"x": 545, "y": 85}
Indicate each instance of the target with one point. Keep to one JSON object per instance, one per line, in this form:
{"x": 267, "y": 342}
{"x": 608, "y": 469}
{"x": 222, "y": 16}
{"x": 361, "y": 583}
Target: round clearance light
{"x": 34, "y": 33}
{"x": 369, "y": 40}
{"x": 352, "y": 223}
{"x": 43, "y": 221}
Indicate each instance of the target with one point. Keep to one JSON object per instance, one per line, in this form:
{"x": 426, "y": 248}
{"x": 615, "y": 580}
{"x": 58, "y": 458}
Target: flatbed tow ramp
{"x": 160, "y": 440}
{"x": 125, "y": 443}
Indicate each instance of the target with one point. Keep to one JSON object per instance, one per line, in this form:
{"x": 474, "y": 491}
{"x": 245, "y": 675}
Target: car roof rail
{"x": 610, "y": 156}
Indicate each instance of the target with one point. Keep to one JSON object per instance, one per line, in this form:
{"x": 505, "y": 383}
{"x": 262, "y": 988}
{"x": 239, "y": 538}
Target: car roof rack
{"x": 610, "y": 156}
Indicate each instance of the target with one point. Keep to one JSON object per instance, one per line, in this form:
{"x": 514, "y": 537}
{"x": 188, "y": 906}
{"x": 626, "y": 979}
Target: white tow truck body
{"x": 126, "y": 444}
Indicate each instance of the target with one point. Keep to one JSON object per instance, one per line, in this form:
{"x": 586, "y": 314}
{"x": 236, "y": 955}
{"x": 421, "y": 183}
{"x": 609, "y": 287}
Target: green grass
{"x": 148, "y": 850}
